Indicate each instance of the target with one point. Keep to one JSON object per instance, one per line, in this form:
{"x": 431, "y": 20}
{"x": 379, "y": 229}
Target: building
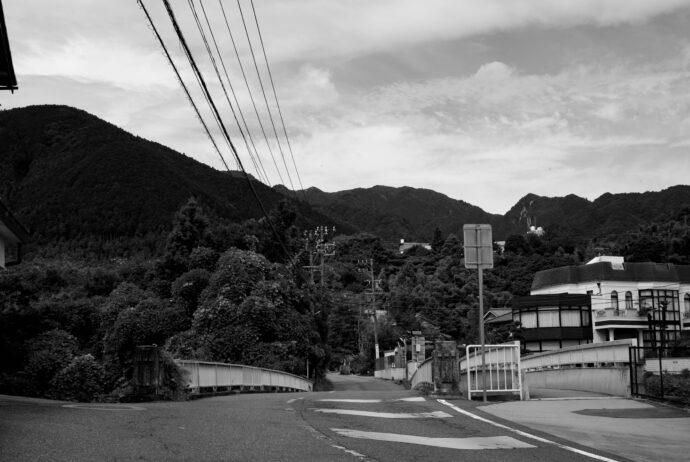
{"x": 649, "y": 302}
{"x": 405, "y": 246}
{"x": 12, "y": 236}
{"x": 553, "y": 321}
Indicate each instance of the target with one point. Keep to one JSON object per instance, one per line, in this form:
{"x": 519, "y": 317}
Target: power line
{"x": 251, "y": 96}
{"x": 220, "y": 80}
{"x": 200, "y": 78}
{"x": 275, "y": 95}
{"x": 263, "y": 91}
{"x": 179, "y": 78}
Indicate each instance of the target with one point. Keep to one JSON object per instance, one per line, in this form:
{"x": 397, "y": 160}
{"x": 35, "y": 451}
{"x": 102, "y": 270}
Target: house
{"x": 649, "y": 302}
{"x": 12, "y": 236}
{"x": 405, "y": 246}
{"x": 553, "y": 321}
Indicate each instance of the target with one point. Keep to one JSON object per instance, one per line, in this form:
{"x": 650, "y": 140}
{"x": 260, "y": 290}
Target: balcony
{"x": 619, "y": 314}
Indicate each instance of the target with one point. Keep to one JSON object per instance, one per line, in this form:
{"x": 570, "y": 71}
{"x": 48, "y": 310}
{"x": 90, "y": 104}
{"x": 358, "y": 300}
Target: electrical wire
{"x": 205, "y": 89}
{"x": 275, "y": 95}
{"x": 179, "y": 78}
{"x": 263, "y": 91}
{"x": 220, "y": 80}
{"x": 251, "y": 96}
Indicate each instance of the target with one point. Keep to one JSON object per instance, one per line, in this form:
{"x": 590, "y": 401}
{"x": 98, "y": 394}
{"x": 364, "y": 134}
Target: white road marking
{"x": 388, "y": 415}
{"x": 336, "y": 400}
{"x": 350, "y": 400}
{"x": 332, "y": 444}
{"x": 525, "y": 434}
{"x": 491, "y": 442}
{"x": 293, "y": 400}
{"x": 105, "y": 407}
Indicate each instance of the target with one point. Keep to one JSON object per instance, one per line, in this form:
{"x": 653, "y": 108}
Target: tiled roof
{"x": 603, "y": 271}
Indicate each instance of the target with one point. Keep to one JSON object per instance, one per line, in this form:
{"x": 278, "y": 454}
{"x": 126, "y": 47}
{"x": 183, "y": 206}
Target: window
{"x": 548, "y": 318}
{"x": 614, "y": 299}
{"x": 528, "y": 320}
{"x": 628, "y": 301}
{"x": 661, "y": 303}
{"x": 686, "y": 303}
{"x": 570, "y": 318}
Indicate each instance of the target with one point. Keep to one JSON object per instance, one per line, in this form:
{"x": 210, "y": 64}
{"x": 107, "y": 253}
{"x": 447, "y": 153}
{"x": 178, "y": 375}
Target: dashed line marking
{"x": 293, "y": 400}
{"x": 525, "y": 434}
{"x": 387, "y": 415}
{"x": 475, "y": 443}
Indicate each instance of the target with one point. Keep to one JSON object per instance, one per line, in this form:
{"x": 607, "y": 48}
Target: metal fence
{"x": 500, "y": 372}
{"x": 214, "y": 377}
{"x": 655, "y": 373}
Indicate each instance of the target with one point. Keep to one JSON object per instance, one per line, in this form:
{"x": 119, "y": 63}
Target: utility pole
{"x": 316, "y": 246}
{"x": 374, "y": 284}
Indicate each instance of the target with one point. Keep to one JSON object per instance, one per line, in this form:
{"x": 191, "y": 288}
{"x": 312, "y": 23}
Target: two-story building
{"x": 12, "y": 236}
{"x": 644, "y": 301}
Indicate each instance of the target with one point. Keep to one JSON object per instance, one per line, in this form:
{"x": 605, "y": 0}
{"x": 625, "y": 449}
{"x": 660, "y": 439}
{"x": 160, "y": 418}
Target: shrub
{"x": 81, "y": 380}
{"x": 49, "y": 352}
{"x": 175, "y": 380}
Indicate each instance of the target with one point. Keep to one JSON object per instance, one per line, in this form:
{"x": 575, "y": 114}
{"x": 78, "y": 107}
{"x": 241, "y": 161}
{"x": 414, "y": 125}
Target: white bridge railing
{"x": 210, "y": 376}
{"x": 614, "y": 353}
{"x": 423, "y": 373}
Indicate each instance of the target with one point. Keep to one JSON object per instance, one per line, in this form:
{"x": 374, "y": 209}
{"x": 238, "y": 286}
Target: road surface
{"x": 362, "y": 419}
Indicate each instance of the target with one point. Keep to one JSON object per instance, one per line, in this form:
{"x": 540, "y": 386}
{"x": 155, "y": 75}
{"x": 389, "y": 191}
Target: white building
{"x": 624, "y": 294}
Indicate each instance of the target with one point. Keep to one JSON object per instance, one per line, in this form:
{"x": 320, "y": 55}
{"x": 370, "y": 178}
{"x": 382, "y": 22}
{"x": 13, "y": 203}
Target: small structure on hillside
{"x": 12, "y": 236}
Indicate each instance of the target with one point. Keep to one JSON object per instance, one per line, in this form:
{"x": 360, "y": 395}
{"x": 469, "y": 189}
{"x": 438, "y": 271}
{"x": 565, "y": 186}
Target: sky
{"x": 484, "y": 101}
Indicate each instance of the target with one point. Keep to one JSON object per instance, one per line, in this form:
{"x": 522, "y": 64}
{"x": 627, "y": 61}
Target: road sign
{"x": 479, "y": 246}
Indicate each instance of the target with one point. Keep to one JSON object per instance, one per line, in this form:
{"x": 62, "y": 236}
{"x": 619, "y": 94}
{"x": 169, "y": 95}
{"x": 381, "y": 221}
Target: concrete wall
{"x": 669, "y": 365}
{"x": 607, "y": 380}
{"x": 395, "y": 373}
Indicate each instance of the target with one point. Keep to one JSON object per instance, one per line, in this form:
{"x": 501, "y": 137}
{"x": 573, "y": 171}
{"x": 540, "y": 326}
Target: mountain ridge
{"x": 65, "y": 172}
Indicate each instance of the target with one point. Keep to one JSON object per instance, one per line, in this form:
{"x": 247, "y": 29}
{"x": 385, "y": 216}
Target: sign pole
{"x": 482, "y": 340}
{"x": 478, "y": 247}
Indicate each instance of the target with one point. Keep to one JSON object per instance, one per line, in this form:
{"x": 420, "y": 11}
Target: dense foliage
{"x": 118, "y": 259}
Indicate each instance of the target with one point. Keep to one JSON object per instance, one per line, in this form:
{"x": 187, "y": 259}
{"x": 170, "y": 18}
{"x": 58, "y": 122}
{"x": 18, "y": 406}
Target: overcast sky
{"x": 481, "y": 100}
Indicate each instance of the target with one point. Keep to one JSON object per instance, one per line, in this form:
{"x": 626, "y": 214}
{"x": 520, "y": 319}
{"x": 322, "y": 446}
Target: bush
{"x": 49, "y": 352}
{"x": 175, "y": 380}
{"x": 81, "y": 380}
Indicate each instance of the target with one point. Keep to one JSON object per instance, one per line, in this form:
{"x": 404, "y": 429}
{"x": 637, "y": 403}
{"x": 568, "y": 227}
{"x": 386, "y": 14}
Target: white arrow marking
{"x": 491, "y": 442}
{"x": 388, "y": 415}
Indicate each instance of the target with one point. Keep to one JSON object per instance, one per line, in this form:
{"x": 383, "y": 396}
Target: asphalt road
{"x": 363, "y": 419}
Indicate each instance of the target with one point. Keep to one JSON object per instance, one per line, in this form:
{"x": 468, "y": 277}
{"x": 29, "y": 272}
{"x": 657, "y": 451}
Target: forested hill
{"x": 609, "y": 214}
{"x": 66, "y": 174}
{"x": 408, "y": 213}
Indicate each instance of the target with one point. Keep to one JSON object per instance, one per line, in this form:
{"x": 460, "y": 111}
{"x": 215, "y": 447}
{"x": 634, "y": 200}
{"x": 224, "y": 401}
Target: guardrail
{"x": 423, "y": 374}
{"x": 590, "y": 355}
{"x": 214, "y": 377}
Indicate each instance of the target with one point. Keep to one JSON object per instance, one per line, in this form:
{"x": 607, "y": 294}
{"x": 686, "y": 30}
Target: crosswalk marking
{"x": 492, "y": 442}
{"x": 388, "y": 415}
